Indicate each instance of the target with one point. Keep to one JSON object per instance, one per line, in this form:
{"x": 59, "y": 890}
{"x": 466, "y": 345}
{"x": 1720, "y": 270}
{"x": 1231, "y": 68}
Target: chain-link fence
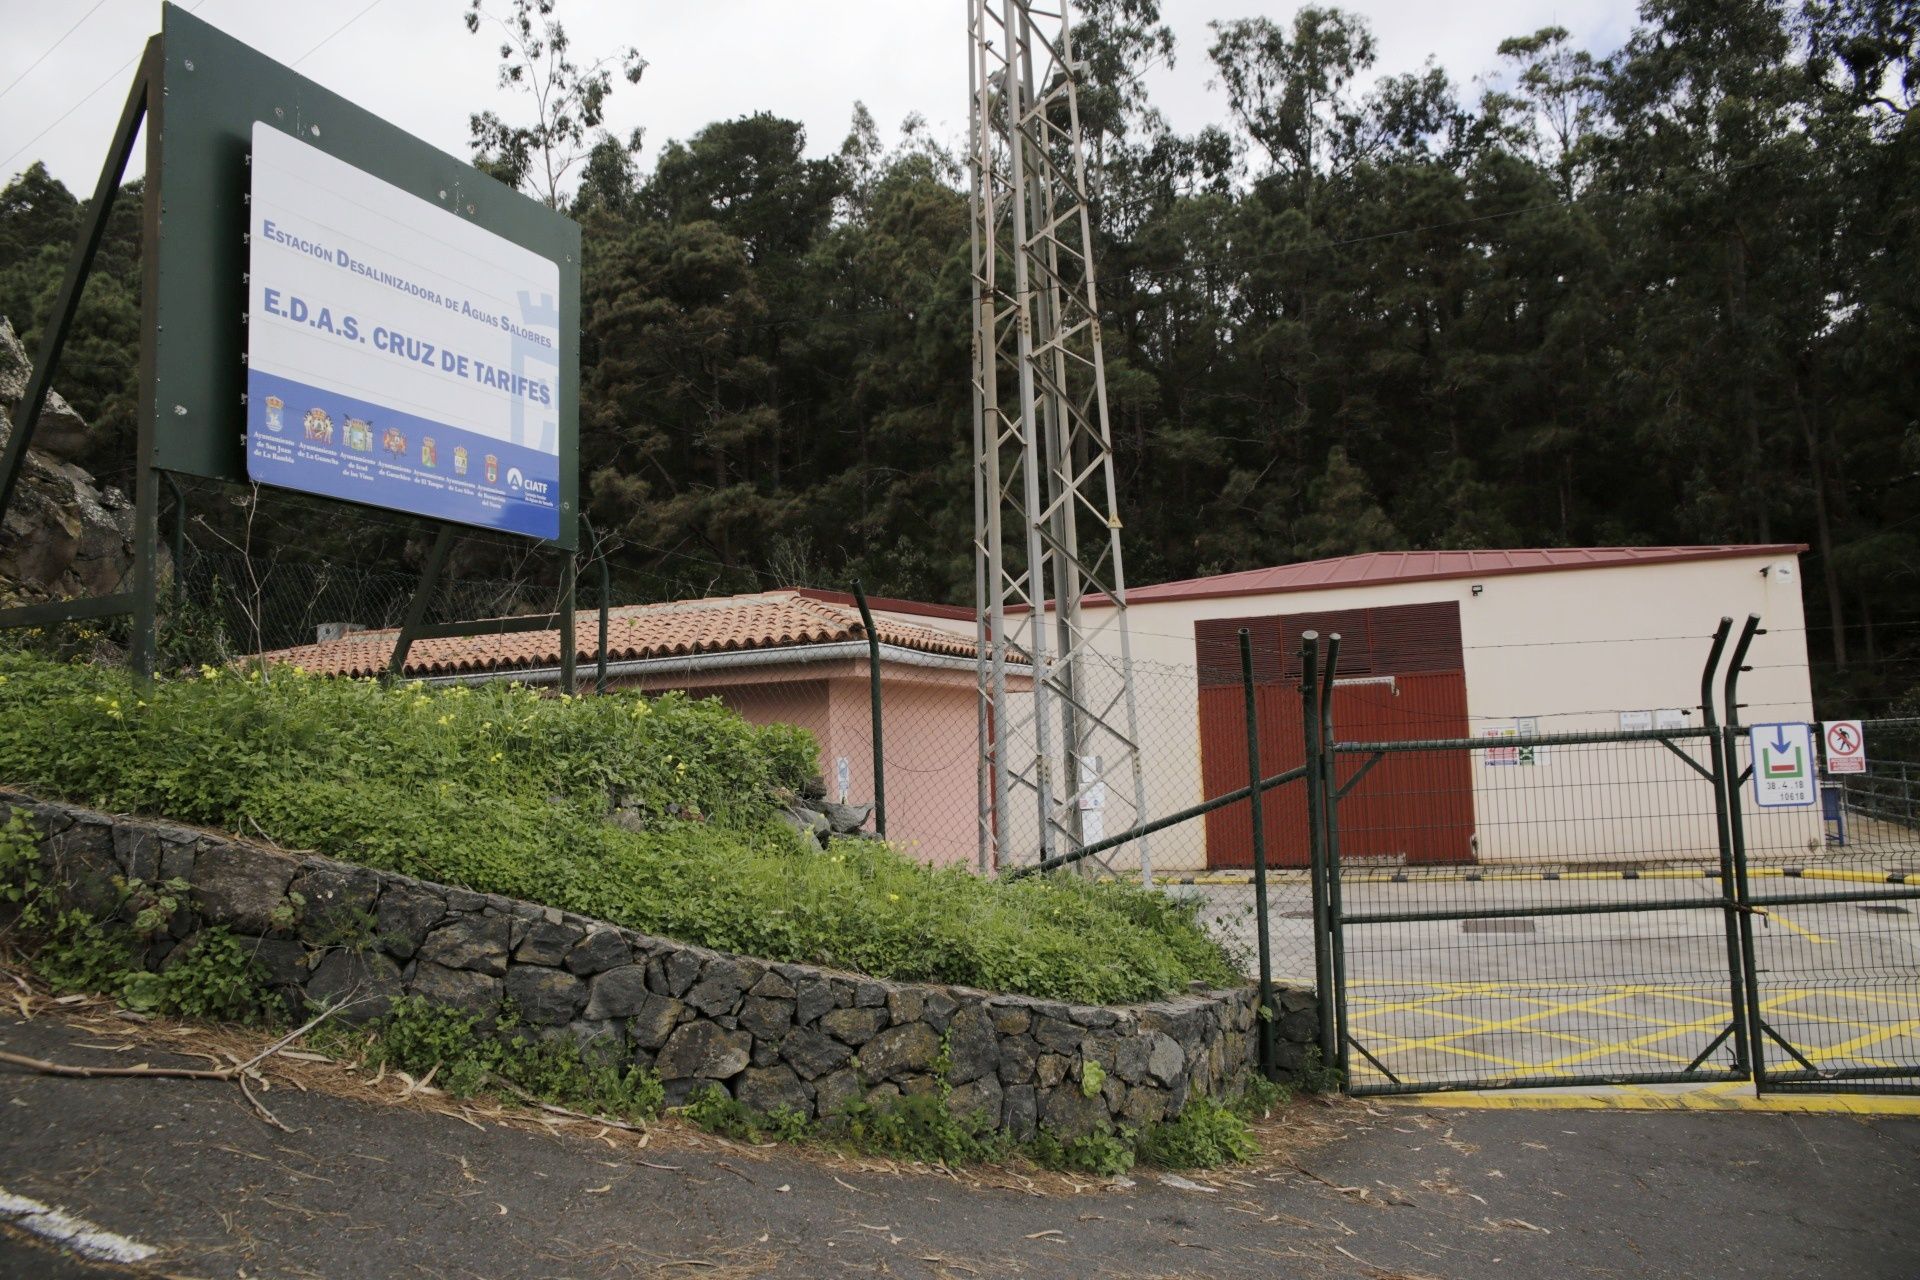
{"x": 1512, "y": 812}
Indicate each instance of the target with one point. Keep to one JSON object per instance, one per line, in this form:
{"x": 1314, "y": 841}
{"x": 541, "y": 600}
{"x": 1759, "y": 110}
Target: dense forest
{"x": 1667, "y": 293}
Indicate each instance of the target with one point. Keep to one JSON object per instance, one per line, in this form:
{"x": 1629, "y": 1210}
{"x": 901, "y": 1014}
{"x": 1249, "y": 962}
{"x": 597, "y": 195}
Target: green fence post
{"x": 1268, "y": 1014}
{"x": 1726, "y": 790}
{"x": 1316, "y": 832}
{"x": 1737, "y": 838}
{"x": 1330, "y": 860}
{"x": 873, "y": 696}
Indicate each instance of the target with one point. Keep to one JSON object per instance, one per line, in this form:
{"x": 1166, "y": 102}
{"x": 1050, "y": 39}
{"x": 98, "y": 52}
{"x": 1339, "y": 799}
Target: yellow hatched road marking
{"x": 1376, "y": 1017}
{"x": 1730, "y": 1096}
{"x": 1773, "y": 914}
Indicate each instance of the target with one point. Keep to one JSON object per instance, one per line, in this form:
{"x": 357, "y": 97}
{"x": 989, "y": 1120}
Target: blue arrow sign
{"x": 1782, "y": 765}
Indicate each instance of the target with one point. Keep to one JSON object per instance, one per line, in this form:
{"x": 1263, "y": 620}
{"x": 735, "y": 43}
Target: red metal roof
{"x": 889, "y": 604}
{"x": 1415, "y": 566}
{"x": 680, "y": 628}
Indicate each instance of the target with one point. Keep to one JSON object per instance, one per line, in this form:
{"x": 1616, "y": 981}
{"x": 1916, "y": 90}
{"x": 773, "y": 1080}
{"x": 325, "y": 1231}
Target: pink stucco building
{"x": 778, "y": 657}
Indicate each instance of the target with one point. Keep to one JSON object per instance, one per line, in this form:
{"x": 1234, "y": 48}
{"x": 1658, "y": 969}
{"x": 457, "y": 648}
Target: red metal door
{"x": 1412, "y": 807}
{"x": 1415, "y": 806}
{"x": 1223, "y": 768}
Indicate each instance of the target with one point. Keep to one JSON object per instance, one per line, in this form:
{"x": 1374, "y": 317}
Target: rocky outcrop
{"x": 65, "y": 534}
{"x": 775, "y": 1035}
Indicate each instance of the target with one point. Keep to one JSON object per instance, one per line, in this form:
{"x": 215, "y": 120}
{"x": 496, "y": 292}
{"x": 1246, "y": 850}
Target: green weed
{"x": 466, "y": 1056}
{"x": 1105, "y": 1154}
{"x": 1205, "y": 1134}
{"x": 497, "y": 789}
{"x": 715, "y": 1110}
{"x": 1315, "y": 1076}
{"x": 921, "y": 1126}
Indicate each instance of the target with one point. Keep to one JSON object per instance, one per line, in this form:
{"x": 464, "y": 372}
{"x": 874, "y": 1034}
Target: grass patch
{"x": 1206, "y": 1134}
{"x": 464, "y": 1056}
{"x": 499, "y": 790}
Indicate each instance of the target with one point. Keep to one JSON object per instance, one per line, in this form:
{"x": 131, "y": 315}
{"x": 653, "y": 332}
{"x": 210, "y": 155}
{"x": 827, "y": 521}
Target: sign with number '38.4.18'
{"x": 1783, "y": 774}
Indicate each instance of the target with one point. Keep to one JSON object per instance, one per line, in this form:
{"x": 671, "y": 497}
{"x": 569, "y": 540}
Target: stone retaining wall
{"x": 776, "y": 1035}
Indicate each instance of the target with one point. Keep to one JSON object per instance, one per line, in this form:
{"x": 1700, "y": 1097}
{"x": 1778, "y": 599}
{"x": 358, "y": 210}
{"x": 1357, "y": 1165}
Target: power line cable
{"x": 50, "y": 48}
{"x": 90, "y": 96}
{"x": 336, "y": 31}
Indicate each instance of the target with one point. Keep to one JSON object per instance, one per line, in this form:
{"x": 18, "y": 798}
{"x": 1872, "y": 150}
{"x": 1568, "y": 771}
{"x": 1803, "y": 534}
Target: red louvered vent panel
{"x": 1353, "y": 626}
{"x": 1216, "y": 645}
{"x": 1411, "y": 639}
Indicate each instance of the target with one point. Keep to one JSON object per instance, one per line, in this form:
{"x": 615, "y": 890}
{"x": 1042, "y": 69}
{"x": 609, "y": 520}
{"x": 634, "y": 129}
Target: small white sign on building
{"x": 1522, "y": 754}
{"x": 1526, "y": 753}
{"x": 1782, "y": 765}
{"x": 1093, "y": 800}
{"x": 842, "y": 777}
{"x": 1670, "y": 718}
{"x": 1846, "y": 745}
{"x": 1635, "y": 721}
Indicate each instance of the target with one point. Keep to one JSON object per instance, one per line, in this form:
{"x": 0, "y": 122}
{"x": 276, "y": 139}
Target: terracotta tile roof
{"x": 681, "y": 628}
{"x": 1412, "y": 566}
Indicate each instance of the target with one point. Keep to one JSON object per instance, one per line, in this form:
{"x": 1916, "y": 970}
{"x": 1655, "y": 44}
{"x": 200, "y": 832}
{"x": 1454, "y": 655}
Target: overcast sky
{"x": 413, "y": 62}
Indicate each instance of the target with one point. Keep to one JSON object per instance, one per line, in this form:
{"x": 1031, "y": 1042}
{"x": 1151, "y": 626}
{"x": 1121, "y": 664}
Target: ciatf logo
{"x": 514, "y": 479}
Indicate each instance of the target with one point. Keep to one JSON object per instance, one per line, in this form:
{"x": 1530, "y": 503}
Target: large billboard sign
{"x": 304, "y": 254}
{"x": 397, "y": 355}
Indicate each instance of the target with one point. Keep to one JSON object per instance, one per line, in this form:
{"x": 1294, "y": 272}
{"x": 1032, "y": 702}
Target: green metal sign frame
{"x": 214, "y": 89}
{"x": 199, "y": 93}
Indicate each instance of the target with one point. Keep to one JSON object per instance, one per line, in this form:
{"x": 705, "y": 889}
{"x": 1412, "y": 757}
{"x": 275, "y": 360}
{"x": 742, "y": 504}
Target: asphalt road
{"x": 1387, "y": 1192}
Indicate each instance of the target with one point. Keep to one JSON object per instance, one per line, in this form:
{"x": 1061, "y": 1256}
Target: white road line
{"x": 56, "y": 1224}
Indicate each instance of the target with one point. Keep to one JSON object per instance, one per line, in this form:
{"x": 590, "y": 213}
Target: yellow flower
{"x": 3, "y": 679}
{"x": 209, "y": 672}
{"x": 495, "y": 758}
{"x": 445, "y": 720}
{"x": 893, "y": 897}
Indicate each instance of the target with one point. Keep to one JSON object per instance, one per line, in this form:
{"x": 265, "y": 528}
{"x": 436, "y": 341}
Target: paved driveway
{"x": 1642, "y": 992}
{"x": 366, "y": 1186}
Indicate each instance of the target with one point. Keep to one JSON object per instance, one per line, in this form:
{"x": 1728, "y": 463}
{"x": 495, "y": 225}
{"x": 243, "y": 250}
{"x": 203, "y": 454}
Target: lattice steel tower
{"x": 1060, "y": 757}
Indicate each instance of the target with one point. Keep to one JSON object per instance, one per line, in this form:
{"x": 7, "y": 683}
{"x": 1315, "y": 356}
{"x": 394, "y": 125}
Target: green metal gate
{"x": 1630, "y": 916}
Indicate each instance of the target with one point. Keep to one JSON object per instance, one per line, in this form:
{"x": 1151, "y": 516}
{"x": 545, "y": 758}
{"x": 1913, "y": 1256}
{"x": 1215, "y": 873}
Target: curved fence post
{"x": 1268, "y": 1014}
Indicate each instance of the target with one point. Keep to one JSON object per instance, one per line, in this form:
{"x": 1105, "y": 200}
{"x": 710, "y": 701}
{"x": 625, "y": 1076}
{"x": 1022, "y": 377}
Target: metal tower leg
{"x": 1058, "y": 713}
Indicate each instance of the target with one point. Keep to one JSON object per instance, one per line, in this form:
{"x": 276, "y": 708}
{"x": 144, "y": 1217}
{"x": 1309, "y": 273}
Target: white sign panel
{"x": 1093, "y": 794}
{"x": 1634, "y": 721}
{"x": 1782, "y": 765}
{"x": 1670, "y": 718}
{"x": 1523, "y": 754}
{"x": 1846, "y": 746}
{"x": 398, "y": 355}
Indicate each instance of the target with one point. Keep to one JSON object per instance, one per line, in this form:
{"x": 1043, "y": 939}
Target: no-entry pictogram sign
{"x": 1846, "y": 746}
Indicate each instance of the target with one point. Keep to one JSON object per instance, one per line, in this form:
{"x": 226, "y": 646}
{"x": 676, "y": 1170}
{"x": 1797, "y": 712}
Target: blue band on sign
{"x": 318, "y": 441}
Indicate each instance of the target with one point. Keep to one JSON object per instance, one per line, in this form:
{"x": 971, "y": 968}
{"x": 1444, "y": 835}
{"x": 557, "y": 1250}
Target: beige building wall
{"x": 1571, "y": 648}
